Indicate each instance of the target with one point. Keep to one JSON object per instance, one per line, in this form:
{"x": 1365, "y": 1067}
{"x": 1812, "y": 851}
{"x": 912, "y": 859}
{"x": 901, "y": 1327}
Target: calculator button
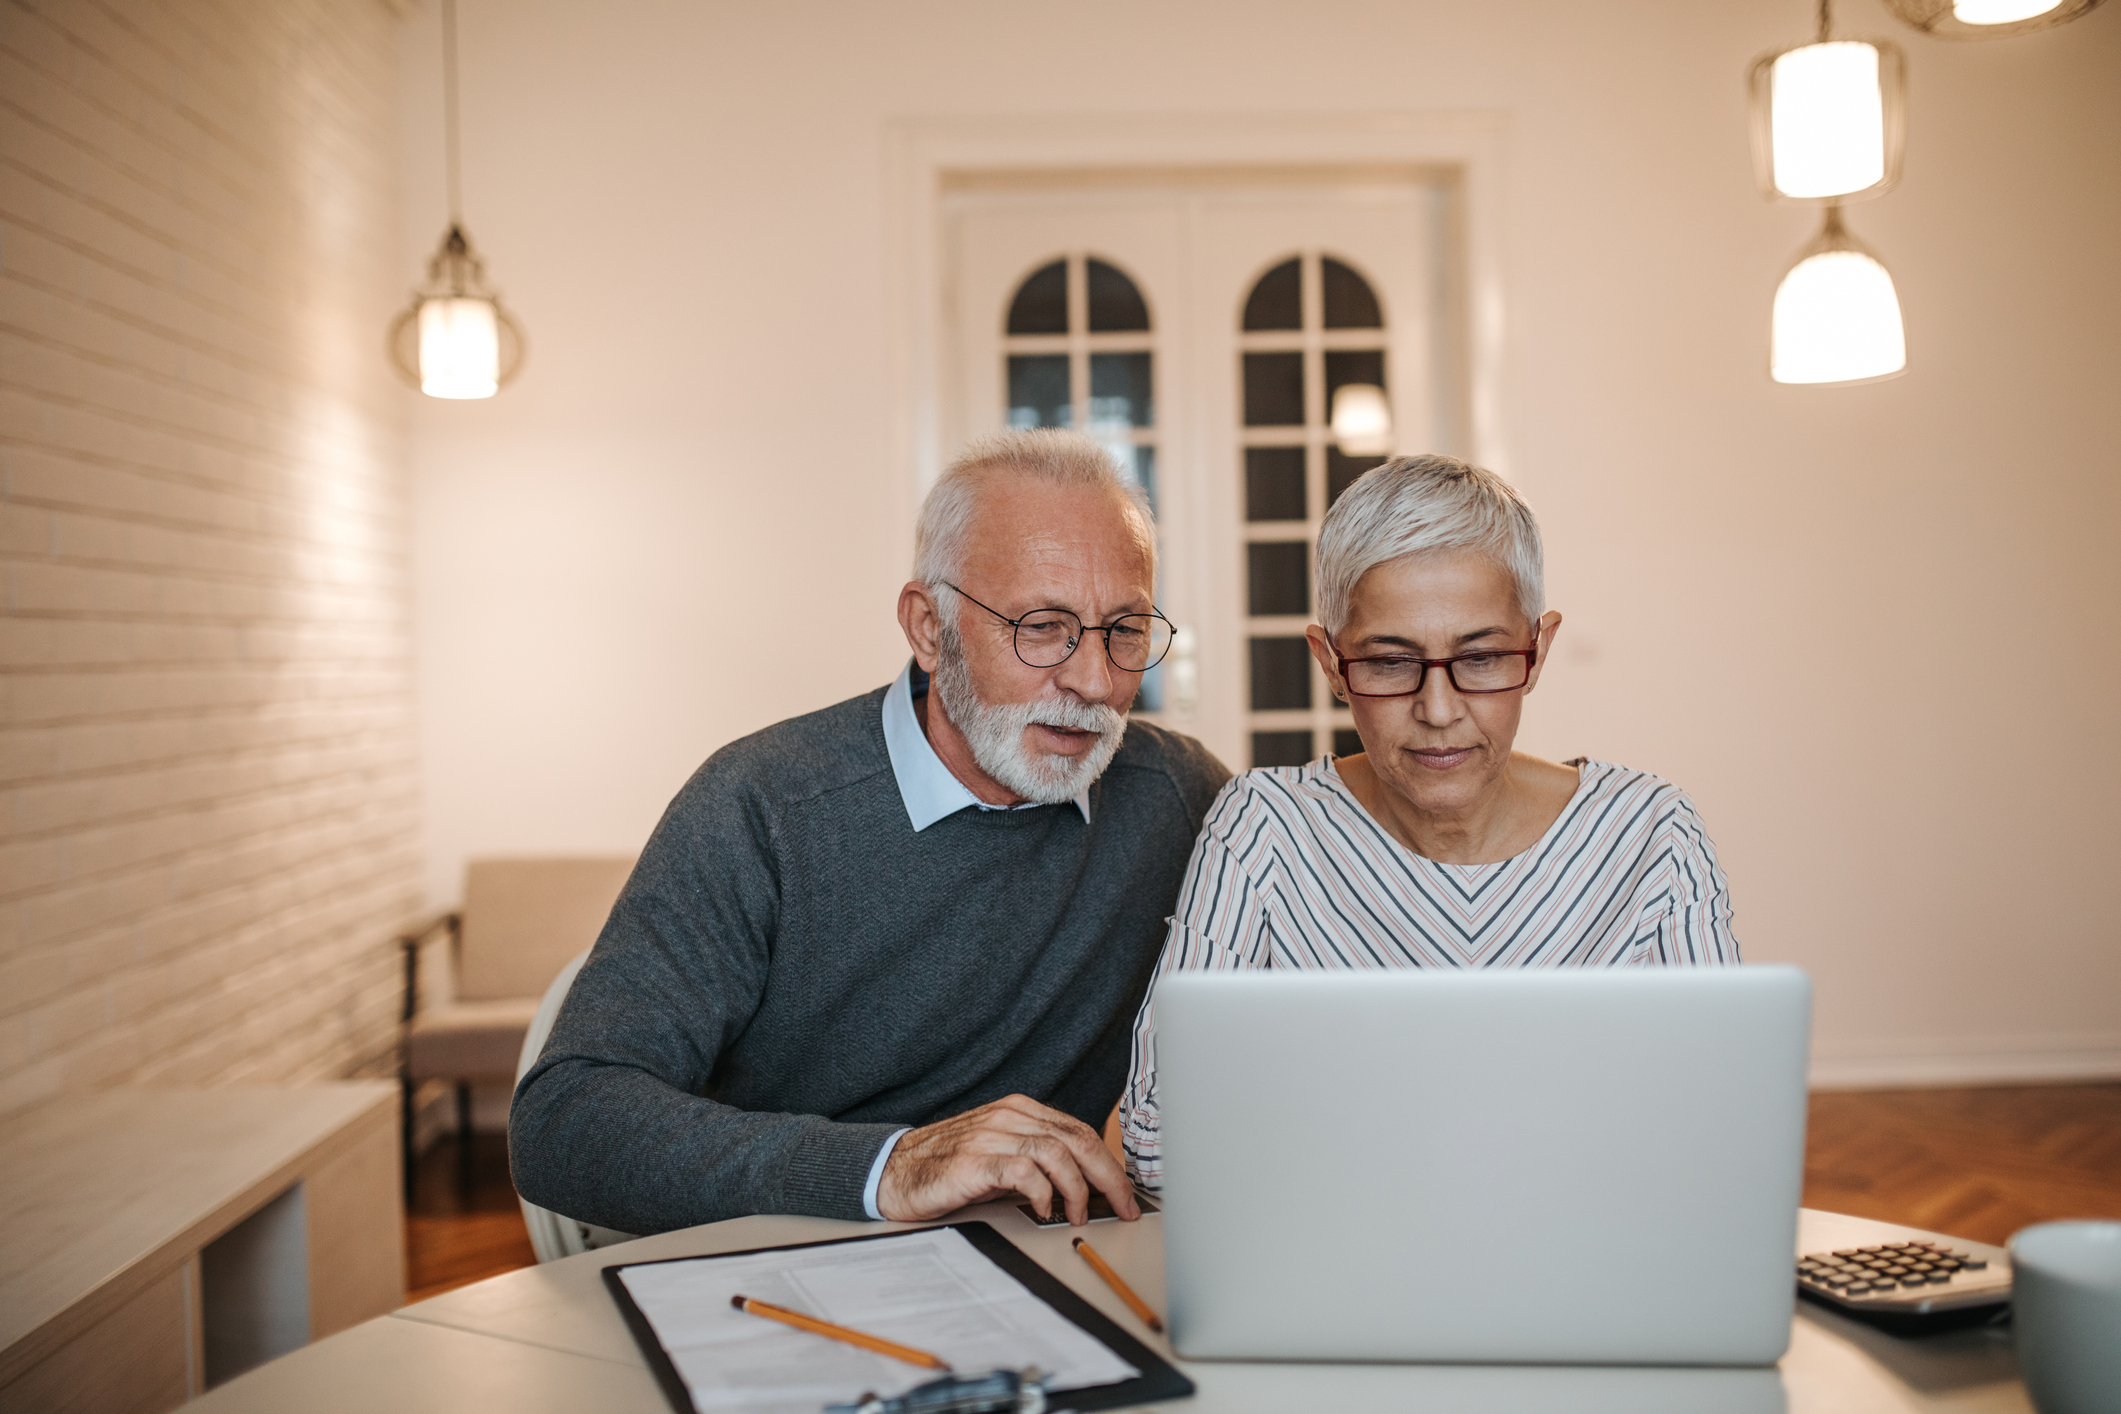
{"x": 1973, "y": 1264}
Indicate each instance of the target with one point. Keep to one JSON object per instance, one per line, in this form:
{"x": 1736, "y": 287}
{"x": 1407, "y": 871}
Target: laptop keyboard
{"x": 1100, "y": 1209}
{"x": 1896, "y": 1270}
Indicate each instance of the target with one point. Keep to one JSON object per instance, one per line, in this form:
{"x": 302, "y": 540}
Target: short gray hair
{"x": 1049, "y": 455}
{"x": 1415, "y": 505}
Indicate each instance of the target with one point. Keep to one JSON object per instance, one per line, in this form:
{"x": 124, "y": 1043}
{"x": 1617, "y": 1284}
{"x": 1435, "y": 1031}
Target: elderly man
{"x": 881, "y": 961}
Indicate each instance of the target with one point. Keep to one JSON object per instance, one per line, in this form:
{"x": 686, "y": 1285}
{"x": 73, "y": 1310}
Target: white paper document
{"x": 932, "y": 1290}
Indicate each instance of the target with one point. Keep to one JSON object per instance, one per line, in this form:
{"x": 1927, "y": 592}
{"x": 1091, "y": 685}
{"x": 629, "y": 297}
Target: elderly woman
{"x": 1438, "y": 846}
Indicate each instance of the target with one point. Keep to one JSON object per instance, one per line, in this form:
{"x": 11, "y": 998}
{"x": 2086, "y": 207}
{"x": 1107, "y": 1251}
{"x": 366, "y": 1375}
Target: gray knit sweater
{"x": 792, "y": 974}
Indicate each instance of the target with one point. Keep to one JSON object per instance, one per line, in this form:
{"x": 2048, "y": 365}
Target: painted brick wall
{"x": 210, "y": 824}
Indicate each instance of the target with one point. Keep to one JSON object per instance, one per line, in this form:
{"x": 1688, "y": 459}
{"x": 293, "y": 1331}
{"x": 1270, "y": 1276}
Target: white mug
{"x": 2066, "y": 1315}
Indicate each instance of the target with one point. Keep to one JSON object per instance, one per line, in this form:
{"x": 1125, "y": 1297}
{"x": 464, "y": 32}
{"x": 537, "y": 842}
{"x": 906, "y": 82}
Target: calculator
{"x": 1909, "y": 1283}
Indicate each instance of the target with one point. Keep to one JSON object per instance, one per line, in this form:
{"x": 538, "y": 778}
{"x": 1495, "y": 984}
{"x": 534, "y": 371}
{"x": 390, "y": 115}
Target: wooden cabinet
{"x": 158, "y": 1241}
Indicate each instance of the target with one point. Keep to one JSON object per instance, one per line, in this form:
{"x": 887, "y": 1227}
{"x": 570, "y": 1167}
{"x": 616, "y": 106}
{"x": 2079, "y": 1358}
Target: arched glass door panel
{"x": 1077, "y": 353}
{"x": 1310, "y": 325}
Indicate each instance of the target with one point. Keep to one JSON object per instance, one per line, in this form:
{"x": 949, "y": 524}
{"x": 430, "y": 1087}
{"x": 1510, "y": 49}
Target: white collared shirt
{"x": 931, "y": 793}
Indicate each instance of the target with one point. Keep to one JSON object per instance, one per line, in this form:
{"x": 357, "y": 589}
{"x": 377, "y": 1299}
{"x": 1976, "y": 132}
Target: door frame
{"x": 925, "y": 156}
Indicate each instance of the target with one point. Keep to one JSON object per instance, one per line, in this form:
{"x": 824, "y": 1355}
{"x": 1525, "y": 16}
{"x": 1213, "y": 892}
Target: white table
{"x": 550, "y": 1338}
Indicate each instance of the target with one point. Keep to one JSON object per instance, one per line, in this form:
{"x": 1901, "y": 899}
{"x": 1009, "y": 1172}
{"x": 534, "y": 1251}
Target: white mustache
{"x": 995, "y": 733}
{"x": 1070, "y": 713}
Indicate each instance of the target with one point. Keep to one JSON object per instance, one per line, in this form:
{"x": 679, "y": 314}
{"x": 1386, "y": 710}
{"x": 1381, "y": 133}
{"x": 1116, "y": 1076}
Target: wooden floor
{"x": 459, "y": 1231}
{"x": 1977, "y": 1163}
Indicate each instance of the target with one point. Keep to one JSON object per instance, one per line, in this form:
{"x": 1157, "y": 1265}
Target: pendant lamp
{"x": 1987, "y": 19}
{"x": 1837, "y": 316}
{"x": 1828, "y": 117}
{"x": 455, "y": 340}
{"x": 1361, "y": 420}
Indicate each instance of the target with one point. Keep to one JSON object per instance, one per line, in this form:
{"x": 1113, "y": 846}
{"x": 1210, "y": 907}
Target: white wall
{"x": 1864, "y": 627}
{"x": 210, "y": 829}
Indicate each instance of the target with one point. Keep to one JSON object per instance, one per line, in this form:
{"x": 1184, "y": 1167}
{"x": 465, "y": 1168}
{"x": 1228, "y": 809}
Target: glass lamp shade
{"x": 1362, "y": 420}
{"x": 460, "y": 348}
{"x": 1837, "y": 315}
{"x": 1999, "y": 12}
{"x": 455, "y": 340}
{"x": 1987, "y": 19}
{"x": 1828, "y": 119}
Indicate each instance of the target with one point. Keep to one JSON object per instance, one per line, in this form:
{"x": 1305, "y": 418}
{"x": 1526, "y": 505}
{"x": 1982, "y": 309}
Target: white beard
{"x": 995, "y": 732}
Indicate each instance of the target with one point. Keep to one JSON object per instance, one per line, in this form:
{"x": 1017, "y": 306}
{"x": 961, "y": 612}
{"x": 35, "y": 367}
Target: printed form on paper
{"x": 932, "y": 1290}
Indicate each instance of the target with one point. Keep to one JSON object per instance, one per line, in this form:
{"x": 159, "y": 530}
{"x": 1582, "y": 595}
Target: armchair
{"x": 474, "y": 975}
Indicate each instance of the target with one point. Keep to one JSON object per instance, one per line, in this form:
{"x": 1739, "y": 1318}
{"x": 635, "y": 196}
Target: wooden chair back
{"x": 524, "y": 918}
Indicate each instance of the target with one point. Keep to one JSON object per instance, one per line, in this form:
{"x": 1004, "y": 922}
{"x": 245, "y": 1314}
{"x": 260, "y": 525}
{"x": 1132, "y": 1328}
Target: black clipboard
{"x": 1159, "y": 1379}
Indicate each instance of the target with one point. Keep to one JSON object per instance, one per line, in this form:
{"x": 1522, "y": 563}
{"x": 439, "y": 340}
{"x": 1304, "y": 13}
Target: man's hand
{"x": 1015, "y": 1145}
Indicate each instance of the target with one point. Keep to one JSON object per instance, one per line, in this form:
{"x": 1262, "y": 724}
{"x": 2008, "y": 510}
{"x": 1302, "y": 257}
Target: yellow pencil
{"x": 1126, "y": 1292}
{"x": 853, "y": 1337}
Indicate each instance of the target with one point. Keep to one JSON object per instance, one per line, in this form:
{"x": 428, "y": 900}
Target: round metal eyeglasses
{"x": 1047, "y": 638}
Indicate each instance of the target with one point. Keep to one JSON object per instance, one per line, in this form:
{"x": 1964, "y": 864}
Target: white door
{"x": 1199, "y": 326}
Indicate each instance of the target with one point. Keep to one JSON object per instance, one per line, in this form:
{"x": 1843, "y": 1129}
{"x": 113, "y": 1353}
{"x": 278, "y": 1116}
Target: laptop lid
{"x": 1570, "y": 1166}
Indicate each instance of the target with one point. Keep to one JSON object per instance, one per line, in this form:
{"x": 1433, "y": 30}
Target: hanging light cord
{"x": 1826, "y": 17}
{"x": 449, "y": 109}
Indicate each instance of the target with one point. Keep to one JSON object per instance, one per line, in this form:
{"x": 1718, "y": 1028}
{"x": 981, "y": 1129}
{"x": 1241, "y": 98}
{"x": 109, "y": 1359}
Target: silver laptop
{"x": 1568, "y": 1166}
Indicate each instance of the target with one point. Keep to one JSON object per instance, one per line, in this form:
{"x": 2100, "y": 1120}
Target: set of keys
{"x": 1001, "y": 1392}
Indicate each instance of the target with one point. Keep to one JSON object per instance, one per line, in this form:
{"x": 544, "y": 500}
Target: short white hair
{"x": 941, "y": 536}
{"x": 1419, "y": 505}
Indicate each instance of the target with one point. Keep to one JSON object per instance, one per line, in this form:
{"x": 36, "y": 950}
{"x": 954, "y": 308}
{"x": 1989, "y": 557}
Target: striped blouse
{"x": 1291, "y": 871}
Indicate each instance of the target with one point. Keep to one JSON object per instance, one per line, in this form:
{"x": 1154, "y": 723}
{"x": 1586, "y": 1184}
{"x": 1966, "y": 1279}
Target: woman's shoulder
{"x": 1657, "y": 801}
{"x": 1284, "y": 795}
